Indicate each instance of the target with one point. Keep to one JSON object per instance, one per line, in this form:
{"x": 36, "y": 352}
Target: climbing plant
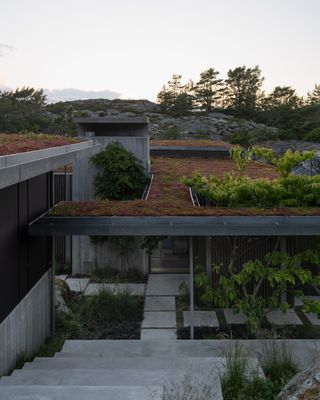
{"x": 120, "y": 176}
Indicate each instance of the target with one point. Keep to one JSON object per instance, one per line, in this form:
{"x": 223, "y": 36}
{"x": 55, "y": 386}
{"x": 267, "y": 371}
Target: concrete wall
{"x": 83, "y": 172}
{"x": 27, "y": 326}
{"x": 88, "y": 256}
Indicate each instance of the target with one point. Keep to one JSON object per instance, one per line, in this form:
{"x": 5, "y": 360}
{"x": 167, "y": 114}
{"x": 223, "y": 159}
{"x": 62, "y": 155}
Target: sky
{"x": 130, "y": 48}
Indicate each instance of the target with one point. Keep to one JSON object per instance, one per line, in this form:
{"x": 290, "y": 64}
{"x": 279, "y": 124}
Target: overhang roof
{"x": 177, "y": 226}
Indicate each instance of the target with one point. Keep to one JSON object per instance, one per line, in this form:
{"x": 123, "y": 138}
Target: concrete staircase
{"x": 119, "y": 370}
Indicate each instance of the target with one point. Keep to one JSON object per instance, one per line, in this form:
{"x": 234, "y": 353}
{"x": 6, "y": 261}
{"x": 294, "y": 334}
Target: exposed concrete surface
{"x": 77, "y": 284}
{"x": 158, "y": 334}
{"x": 166, "y": 284}
{"x": 313, "y": 318}
{"x": 201, "y": 318}
{"x": 159, "y": 319}
{"x": 160, "y": 303}
{"x": 278, "y": 317}
{"x": 234, "y": 318}
{"x": 27, "y": 326}
{"x": 30, "y": 392}
{"x": 136, "y": 289}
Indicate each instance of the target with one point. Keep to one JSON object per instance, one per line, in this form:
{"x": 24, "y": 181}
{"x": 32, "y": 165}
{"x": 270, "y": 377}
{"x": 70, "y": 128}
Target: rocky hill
{"x": 215, "y": 125}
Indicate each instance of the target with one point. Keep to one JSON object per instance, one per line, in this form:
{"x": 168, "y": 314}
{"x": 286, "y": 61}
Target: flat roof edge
{"x": 177, "y": 226}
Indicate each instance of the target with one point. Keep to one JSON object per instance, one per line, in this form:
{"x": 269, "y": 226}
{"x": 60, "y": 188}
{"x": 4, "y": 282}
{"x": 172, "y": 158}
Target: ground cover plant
{"x": 111, "y": 275}
{"x": 120, "y": 176}
{"x": 286, "y": 190}
{"x": 191, "y": 143}
{"x": 21, "y": 142}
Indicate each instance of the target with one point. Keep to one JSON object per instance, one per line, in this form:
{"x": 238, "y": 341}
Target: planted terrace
{"x": 169, "y": 196}
{"x": 21, "y": 143}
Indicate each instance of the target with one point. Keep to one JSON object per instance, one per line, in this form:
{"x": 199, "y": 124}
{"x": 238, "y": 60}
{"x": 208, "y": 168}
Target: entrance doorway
{"x": 171, "y": 256}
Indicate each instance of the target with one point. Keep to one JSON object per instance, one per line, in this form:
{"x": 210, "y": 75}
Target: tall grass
{"x": 277, "y": 362}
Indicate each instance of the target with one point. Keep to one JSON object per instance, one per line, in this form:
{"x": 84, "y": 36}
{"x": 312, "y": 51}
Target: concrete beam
{"x": 178, "y": 226}
{"x": 19, "y": 167}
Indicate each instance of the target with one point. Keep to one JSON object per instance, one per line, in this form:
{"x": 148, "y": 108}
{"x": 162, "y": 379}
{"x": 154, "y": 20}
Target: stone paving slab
{"x": 201, "y": 318}
{"x": 298, "y": 302}
{"x": 233, "y": 317}
{"x": 166, "y": 284}
{"x": 159, "y": 319}
{"x": 160, "y": 303}
{"x": 277, "y": 317}
{"x": 27, "y": 392}
{"x": 77, "y": 284}
{"x": 136, "y": 289}
{"x": 313, "y": 318}
{"x": 158, "y": 334}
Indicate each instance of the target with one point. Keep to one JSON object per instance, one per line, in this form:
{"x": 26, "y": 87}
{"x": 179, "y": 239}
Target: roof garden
{"x": 192, "y": 143}
{"x": 169, "y": 196}
{"x": 20, "y": 143}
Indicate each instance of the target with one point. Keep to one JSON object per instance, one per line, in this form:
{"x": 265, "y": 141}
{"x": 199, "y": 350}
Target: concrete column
{"x": 191, "y": 288}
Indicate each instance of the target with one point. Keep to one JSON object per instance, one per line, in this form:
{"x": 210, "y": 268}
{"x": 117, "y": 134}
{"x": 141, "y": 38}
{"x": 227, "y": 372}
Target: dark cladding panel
{"x": 9, "y": 250}
{"x": 37, "y": 247}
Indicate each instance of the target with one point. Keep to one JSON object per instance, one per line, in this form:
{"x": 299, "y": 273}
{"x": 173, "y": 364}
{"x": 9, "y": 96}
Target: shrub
{"x": 313, "y": 136}
{"x": 240, "y": 288}
{"x": 121, "y": 175}
{"x": 111, "y": 275}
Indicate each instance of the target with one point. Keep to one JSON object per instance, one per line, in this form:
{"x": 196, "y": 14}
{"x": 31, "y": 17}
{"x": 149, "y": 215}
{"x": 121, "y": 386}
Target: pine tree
{"x": 208, "y": 91}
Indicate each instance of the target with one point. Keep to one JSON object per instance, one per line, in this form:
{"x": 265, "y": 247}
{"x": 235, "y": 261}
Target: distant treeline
{"x": 241, "y": 95}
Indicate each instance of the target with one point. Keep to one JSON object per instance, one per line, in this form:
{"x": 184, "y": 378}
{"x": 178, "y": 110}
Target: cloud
{"x": 5, "y": 49}
{"x": 69, "y": 94}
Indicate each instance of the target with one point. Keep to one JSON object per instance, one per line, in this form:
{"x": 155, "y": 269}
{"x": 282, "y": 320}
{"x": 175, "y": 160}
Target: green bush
{"x": 313, "y": 136}
{"x": 111, "y": 275}
{"x": 121, "y": 176}
{"x": 170, "y": 133}
{"x": 242, "y": 191}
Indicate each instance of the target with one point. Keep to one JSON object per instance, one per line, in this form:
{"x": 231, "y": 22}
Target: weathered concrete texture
{"x": 304, "y": 351}
{"x": 159, "y": 319}
{"x": 202, "y": 318}
{"x": 158, "y": 334}
{"x": 166, "y": 284}
{"x": 27, "y": 326}
{"x": 27, "y": 165}
{"x": 30, "y": 392}
{"x": 278, "y": 317}
{"x": 233, "y": 317}
{"x": 77, "y": 284}
{"x": 88, "y": 256}
{"x": 160, "y": 303}
{"x": 303, "y": 386}
{"x": 136, "y": 289}
{"x": 313, "y": 318}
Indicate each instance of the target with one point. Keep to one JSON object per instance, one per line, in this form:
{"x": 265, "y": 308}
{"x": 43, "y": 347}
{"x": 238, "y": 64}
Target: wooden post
{"x": 191, "y": 288}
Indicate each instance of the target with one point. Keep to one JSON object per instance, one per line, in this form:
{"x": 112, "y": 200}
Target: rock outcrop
{"x": 303, "y": 386}
{"x": 215, "y": 125}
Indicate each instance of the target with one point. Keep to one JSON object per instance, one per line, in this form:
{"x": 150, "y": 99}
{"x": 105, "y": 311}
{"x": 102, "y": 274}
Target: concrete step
{"x": 30, "y": 392}
{"x": 143, "y": 348}
{"x": 123, "y": 363}
{"x": 115, "y": 377}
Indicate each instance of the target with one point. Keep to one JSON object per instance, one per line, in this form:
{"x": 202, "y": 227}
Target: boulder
{"x": 303, "y": 386}
{"x": 62, "y": 291}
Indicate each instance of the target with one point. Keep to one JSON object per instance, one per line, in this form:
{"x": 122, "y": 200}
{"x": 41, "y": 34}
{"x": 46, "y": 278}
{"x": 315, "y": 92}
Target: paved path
{"x": 159, "y": 321}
